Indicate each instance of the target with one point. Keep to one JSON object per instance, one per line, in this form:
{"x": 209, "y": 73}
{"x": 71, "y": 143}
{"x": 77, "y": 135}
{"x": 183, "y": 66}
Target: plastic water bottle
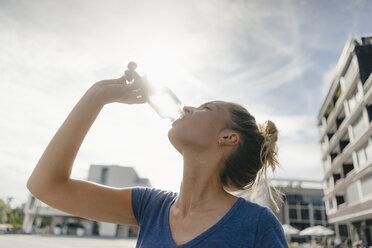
{"x": 160, "y": 98}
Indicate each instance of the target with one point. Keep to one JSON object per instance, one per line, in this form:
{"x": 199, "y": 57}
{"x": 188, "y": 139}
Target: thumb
{"x": 122, "y": 80}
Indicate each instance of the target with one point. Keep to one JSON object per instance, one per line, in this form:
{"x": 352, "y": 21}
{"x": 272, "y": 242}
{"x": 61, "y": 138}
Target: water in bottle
{"x": 160, "y": 98}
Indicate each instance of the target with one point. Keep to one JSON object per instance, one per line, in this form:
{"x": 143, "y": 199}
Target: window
{"x": 366, "y": 183}
{"x": 104, "y": 175}
{"x": 363, "y": 154}
{"x": 343, "y": 230}
{"x": 294, "y": 198}
{"x": 369, "y": 111}
{"x": 347, "y": 168}
{"x": 358, "y": 125}
{"x": 293, "y": 213}
{"x": 316, "y": 200}
{"x": 352, "y": 194}
{"x": 317, "y": 214}
{"x": 305, "y": 214}
{"x": 340, "y": 199}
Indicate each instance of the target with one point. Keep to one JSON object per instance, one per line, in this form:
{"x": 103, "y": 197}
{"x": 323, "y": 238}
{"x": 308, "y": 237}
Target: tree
{"x": 4, "y": 212}
{"x": 16, "y": 218}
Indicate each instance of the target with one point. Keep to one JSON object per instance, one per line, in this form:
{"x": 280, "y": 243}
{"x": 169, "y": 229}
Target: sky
{"x": 276, "y": 58}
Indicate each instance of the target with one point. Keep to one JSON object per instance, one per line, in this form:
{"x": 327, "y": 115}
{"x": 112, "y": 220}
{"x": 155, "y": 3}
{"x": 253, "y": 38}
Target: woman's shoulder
{"x": 269, "y": 231}
{"x": 251, "y": 207}
{"x": 258, "y": 213}
{"x": 147, "y": 202}
{"x": 147, "y": 194}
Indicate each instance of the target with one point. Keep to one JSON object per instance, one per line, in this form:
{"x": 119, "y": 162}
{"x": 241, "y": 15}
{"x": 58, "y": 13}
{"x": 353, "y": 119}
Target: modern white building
{"x": 39, "y": 215}
{"x": 345, "y": 129}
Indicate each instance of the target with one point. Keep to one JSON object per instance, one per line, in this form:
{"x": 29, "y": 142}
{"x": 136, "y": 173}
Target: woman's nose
{"x": 187, "y": 109}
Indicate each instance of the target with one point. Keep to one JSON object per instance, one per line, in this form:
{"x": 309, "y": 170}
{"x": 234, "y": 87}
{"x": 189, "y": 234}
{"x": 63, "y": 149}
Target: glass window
{"x": 293, "y": 213}
{"x": 317, "y": 214}
{"x": 305, "y": 214}
{"x": 352, "y": 194}
{"x": 343, "y": 230}
{"x": 366, "y": 183}
{"x": 294, "y": 198}
{"x": 104, "y": 175}
{"x": 363, "y": 154}
{"x": 314, "y": 199}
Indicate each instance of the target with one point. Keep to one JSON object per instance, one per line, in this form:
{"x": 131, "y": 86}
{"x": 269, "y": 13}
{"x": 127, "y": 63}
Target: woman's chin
{"x": 174, "y": 141}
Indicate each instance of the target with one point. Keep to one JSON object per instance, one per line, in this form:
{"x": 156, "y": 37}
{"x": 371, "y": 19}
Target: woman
{"x": 221, "y": 148}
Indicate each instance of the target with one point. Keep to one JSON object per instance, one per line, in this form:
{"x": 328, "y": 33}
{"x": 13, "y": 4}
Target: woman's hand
{"x": 117, "y": 90}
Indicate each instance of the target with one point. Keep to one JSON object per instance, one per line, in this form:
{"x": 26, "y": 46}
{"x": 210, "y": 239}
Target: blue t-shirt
{"x": 246, "y": 224}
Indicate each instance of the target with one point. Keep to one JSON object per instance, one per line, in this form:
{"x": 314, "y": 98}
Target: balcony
{"x": 337, "y": 94}
{"x": 333, "y": 156}
{"x": 336, "y": 177}
{"x": 369, "y": 111}
{"x": 340, "y": 200}
{"x": 347, "y": 168}
{"x": 344, "y": 141}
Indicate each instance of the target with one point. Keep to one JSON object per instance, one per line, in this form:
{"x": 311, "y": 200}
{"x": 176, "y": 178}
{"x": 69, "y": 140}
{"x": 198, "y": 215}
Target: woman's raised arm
{"x": 50, "y": 180}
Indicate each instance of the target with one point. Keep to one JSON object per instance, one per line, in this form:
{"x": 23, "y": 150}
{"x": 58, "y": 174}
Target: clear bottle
{"x": 160, "y": 98}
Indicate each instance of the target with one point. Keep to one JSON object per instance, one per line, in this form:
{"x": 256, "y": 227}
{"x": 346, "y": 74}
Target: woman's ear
{"x": 228, "y": 138}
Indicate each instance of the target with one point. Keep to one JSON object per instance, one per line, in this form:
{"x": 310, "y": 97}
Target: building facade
{"x": 345, "y": 129}
{"x": 38, "y": 215}
{"x": 300, "y": 204}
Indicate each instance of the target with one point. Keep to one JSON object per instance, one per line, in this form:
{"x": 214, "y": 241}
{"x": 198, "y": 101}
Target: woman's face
{"x": 199, "y": 127}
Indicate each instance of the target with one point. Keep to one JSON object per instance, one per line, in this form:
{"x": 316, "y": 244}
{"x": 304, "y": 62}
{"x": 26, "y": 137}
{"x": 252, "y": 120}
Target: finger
{"x": 135, "y": 100}
{"x": 134, "y": 94}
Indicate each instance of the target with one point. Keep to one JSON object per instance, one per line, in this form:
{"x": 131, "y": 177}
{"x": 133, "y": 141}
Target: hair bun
{"x": 270, "y": 131}
{"x": 269, "y": 148}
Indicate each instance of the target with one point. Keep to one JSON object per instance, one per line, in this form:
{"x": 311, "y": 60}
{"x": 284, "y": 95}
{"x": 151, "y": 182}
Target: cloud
{"x": 243, "y": 51}
{"x": 327, "y": 78}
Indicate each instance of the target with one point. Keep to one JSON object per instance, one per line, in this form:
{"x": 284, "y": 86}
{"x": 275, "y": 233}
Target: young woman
{"x": 223, "y": 149}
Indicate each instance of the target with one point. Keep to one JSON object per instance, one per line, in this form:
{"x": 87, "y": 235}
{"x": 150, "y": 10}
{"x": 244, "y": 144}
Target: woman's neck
{"x": 201, "y": 187}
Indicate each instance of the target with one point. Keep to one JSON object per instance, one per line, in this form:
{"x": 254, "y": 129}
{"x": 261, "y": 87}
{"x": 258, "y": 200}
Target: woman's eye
{"x": 204, "y": 107}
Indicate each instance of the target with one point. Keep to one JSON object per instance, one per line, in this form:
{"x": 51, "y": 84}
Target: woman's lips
{"x": 181, "y": 117}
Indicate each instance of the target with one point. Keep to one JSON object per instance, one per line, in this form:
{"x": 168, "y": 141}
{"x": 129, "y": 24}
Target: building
{"x": 39, "y": 215}
{"x": 300, "y": 203}
{"x": 345, "y": 129}
{"x": 303, "y": 206}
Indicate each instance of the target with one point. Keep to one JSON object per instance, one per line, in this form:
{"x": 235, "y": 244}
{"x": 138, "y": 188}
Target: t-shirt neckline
{"x": 204, "y": 234}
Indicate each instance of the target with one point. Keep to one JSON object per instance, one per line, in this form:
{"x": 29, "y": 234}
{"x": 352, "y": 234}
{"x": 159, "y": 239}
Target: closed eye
{"x": 203, "y": 107}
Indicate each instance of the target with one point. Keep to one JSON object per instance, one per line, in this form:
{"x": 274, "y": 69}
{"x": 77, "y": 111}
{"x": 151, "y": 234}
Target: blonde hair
{"x": 268, "y": 156}
{"x": 256, "y": 151}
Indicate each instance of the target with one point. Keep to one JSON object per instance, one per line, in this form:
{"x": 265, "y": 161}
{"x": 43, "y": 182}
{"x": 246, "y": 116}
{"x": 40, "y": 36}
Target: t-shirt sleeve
{"x": 140, "y": 197}
{"x": 270, "y": 232}
{"x": 147, "y": 202}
